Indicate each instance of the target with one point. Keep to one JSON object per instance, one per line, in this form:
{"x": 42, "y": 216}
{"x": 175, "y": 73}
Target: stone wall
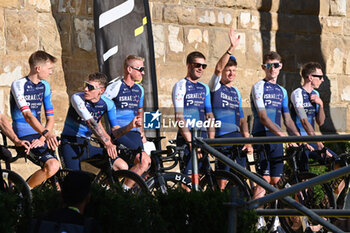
{"x": 299, "y": 30}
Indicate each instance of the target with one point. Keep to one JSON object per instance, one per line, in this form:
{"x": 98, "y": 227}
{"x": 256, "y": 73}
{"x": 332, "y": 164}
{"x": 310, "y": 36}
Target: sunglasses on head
{"x": 141, "y": 68}
{"x": 317, "y": 76}
{"x": 90, "y": 86}
{"x": 270, "y": 65}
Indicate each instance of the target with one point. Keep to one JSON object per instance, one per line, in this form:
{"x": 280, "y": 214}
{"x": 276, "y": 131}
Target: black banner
{"x": 123, "y": 28}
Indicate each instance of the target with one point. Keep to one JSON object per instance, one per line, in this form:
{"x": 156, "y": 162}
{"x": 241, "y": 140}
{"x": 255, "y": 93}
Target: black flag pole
{"x": 123, "y": 28}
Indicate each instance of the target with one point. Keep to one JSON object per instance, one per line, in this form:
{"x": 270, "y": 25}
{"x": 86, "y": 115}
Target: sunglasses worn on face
{"x": 317, "y": 76}
{"x": 90, "y": 86}
{"x": 270, "y": 65}
{"x": 141, "y": 68}
{"x": 197, "y": 65}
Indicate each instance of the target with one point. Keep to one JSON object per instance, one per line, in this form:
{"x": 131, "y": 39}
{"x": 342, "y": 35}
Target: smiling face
{"x": 135, "y": 70}
{"x": 229, "y": 74}
{"x": 195, "y": 69}
{"x": 271, "y": 71}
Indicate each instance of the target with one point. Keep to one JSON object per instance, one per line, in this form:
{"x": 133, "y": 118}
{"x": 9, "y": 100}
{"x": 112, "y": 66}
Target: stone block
{"x": 196, "y": 39}
{"x": 324, "y": 8}
{"x": 346, "y": 28}
{"x": 224, "y": 3}
{"x": 156, "y": 10}
{"x": 175, "y": 43}
{"x": 10, "y": 3}
{"x": 84, "y": 34}
{"x": 207, "y": 16}
{"x": 49, "y": 37}
{"x": 347, "y": 64}
{"x": 2, "y": 101}
{"x": 226, "y": 18}
{"x": 267, "y": 6}
{"x": 64, "y": 26}
{"x": 39, "y": 5}
{"x": 159, "y": 41}
{"x": 19, "y": 31}
{"x": 344, "y": 88}
{"x": 253, "y": 49}
{"x": 332, "y": 25}
{"x": 335, "y": 60}
{"x": 171, "y": 13}
{"x": 2, "y": 33}
{"x": 299, "y": 7}
{"x": 197, "y": 3}
{"x": 339, "y": 117}
{"x": 338, "y": 7}
{"x": 187, "y": 15}
{"x": 168, "y": 1}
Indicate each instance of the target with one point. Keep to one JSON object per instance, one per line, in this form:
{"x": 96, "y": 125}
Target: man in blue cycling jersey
{"x": 269, "y": 101}
{"x": 308, "y": 106}
{"x": 127, "y": 96}
{"x": 192, "y": 103}
{"x": 83, "y": 119}
{"x": 28, "y": 94}
{"x": 227, "y": 102}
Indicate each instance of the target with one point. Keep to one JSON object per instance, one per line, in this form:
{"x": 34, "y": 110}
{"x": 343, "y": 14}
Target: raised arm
{"x": 234, "y": 40}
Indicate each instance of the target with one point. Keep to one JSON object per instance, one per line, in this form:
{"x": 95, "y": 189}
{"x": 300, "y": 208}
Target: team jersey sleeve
{"x": 241, "y": 114}
{"x": 257, "y": 95}
{"x": 297, "y": 101}
{"x": 179, "y": 92}
{"x": 214, "y": 83}
{"x": 47, "y": 99}
{"x": 141, "y": 97}
{"x": 111, "y": 112}
{"x": 285, "y": 108}
{"x": 112, "y": 89}
{"x": 207, "y": 101}
{"x": 17, "y": 90}
{"x": 317, "y": 106}
{"x": 79, "y": 105}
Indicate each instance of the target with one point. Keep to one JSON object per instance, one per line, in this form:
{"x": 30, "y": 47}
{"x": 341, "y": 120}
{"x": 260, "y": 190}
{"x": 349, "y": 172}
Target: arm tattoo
{"x": 96, "y": 130}
{"x": 120, "y": 131}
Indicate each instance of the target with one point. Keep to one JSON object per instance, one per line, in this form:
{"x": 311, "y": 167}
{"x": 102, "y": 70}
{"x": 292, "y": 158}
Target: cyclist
{"x": 227, "y": 102}
{"x": 191, "y": 100}
{"x": 269, "y": 101}
{"x": 308, "y": 106}
{"x": 6, "y": 129}
{"x": 83, "y": 119}
{"x": 127, "y": 96}
{"x": 28, "y": 94}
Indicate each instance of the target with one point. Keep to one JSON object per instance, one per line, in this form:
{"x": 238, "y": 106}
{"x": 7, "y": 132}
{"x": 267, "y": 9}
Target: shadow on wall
{"x": 298, "y": 40}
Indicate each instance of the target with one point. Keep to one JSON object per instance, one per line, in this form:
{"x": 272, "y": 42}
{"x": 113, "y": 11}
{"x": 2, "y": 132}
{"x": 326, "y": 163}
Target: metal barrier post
{"x": 232, "y": 212}
{"x": 195, "y": 177}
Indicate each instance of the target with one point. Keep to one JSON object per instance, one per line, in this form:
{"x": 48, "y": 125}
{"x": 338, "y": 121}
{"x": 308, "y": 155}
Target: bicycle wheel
{"x": 316, "y": 197}
{"x": 212, "y": 182}
{"x": 172, "y": 181}
{"x": 14, "y": 184}
{"x": 119, "y": 178}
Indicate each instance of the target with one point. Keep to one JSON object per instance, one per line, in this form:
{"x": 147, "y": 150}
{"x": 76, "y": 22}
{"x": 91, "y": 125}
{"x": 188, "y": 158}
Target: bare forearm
{"x": 308, "y": 127}
{"x": 6, "y": 128}
{"x": 211, "y": 128}
{"x": 185, "y": 132}
{"x": 98, "y": 131}
{"x": 244, "y": 128}
{"x": 320, "y": 118}
{"x": 120, "y": 131}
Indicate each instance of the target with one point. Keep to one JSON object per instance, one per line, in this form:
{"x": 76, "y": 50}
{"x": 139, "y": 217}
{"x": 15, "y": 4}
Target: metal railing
{"x": 274, "y": 193}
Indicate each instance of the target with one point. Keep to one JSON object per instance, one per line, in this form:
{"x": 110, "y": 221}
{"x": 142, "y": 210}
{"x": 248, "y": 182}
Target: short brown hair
{"x": 190, "y": 57}
{"x": 231, "y": 62}
{"x": 271, "y": 55}
{"x": 99, "y": 77}
{"x": 130, "y": 58}
{"x": 309, "y": 68}
{"x": 40, "y": 57}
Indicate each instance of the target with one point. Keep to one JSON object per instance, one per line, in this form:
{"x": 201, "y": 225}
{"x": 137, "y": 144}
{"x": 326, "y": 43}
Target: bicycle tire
{"x": 173, "y": 181}
{"x": 15, "y": 184}
{"x": 233, "y": 180}
{"x": 312, "y": 198}
{"x": 119, "y": 177}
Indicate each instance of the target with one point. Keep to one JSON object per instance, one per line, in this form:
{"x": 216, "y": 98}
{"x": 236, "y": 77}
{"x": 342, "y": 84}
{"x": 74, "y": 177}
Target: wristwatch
{"x": 44, "y": 132}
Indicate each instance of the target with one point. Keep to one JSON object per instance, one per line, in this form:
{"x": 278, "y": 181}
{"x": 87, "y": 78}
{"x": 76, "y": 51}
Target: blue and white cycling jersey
{"x": 81, "y": 110}
{"x": 303, "y": 108}
{"x": 192, "y": 99}
{"x": 270, "y": 97}
{"x": 227, "y": 106}
{"x": 28, "y": 96}
{"x": 128, "y": 101}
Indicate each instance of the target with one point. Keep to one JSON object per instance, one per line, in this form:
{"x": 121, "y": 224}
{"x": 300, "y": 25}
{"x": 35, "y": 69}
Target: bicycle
{"x": 11, "y": 182}
{"x": 106, "y": 176}
{"x": 316, "y": 197}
